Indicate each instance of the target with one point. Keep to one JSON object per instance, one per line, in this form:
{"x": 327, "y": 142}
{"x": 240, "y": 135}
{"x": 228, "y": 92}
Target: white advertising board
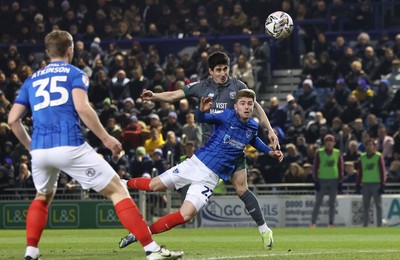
{"x": 295, "y": 211}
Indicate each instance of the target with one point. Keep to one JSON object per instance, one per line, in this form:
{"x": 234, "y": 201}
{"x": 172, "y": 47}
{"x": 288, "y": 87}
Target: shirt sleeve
{"x": 23, "y": 96}
{"x": 203, "y": 117}
{"x": 81, "y": 80}
{"x": 260, "y": 145}
{"x": 192, "y": 89}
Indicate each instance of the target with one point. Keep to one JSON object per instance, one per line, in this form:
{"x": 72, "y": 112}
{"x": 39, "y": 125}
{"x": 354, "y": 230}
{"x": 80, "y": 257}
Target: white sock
{"x": 152, "y": 247}
{"x": 32, "y": 251}
{"x": 263, "y": 228}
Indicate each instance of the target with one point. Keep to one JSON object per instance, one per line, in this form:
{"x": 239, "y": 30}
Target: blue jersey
{"x": 48, "y": 92}
{"x": 227, "y": 142}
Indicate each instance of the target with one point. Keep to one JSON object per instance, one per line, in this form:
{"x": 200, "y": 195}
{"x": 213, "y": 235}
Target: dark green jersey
{"x": 223, "y": 96}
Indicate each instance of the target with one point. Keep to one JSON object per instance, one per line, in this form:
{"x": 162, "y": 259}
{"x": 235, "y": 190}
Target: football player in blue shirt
{"x": 223, "y": 89}
{"x": 57, "y": 97}
{"x": 234, "y": 129}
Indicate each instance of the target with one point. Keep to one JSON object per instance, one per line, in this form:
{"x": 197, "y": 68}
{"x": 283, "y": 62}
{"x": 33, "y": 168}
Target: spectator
{"x": 172, "y": 149}
{"x": 83, "y": 65}
{"x": 255, "y": 177}
{"x": 191, "y": 131}
{"x": 352, "y": 110}
{"x": 141, "y": 164}
{"x": 373, "y": 125}
{"x": 185, "y": 108}
{"x": 385, "y": 65}
{"x": 159, "y": 162}
{"x": 255, "y": 26}
{"x": 243, "y": 70}
{"x": 259, "y": 57}
{"x": 6, "y": 180}
{"x": 314, "y": 127}
{"x": 331, "y": 109}
{"x": 202, "y": 66}
{"x": 381, "y": 102}
{"x": 363, "y": 41}
{"x": 100, "y": 89}
{"x": 136, "y": 85}
{"x": 179, "y": 75}
{"x": 295, "y": 130}
{"x": 364, "y": 16}
{"x": 189, "y": 149}
{"x": 352, "y": 154}
{"x": 341, "y": 92}
{"x": 155, "y": 141}
{"x": 276, "y": 115}
{"x": 325, "y": 71}
{"x": 350, "y": 172}
{"x": 310, "y": 67}
{"x": 221, "y": 20}
{"x": 344, "y": 63}
{"x": 133, "y": 134}
{"x": 113, "y": 128}
{"x": 308, "y": 100}
{"x": 173, "y": 125}
{"x": 337, "y": 51}
{"x": 355, "y": 75}
{"x": 336, "y": 126}
{"x": 187, "y": 64}
{"x": 294, "y": 174}
{"x": 165, "y": 19}
{"x": 120, "y": 85}
{"x": 344, "y": 139}
{"x": 320, "y": 43}
{"x": 203, "y": 28}
{"x": 292, "y": 109}
{"x": 291, "y": 155}
{"x": 5, "y": 106}
{"x": 202, "y": 46}
{"x": 370, "y": 63}
{"x": 239, "y": 20}
{"x": 384, "y": 145}
{"x": 123, "y": 32}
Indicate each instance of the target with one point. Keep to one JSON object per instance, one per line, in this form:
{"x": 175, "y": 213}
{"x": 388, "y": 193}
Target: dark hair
{"x": 218, "y": 58}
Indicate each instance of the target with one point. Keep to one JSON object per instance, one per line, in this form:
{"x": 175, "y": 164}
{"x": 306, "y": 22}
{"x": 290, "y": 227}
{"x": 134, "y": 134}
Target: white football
{"x": 279, "y": 25}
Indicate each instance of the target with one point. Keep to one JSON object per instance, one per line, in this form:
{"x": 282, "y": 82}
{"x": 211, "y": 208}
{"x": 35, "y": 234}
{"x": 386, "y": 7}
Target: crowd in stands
{"x": 348, "y": 90}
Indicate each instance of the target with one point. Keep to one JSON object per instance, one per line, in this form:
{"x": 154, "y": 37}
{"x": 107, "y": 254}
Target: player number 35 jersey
{"x": 48, "y": 93}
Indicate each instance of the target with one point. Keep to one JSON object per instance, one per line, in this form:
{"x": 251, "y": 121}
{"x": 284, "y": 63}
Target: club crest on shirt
{"x": 85, "y": 80}
{"x": 90, "y": 172}
{"x": 227, "y": 138}
{"x": 176, "y": 171}
{"x": 248, "y": 133}
{"x": 232, "y": 95}
{"x": 210, "y": 95}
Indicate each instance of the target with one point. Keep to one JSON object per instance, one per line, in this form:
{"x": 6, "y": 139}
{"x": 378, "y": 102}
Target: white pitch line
{"x": 293, "y": 254}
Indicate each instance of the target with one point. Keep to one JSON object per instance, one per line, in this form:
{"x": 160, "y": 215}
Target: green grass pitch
{"x": 204, "y": 243}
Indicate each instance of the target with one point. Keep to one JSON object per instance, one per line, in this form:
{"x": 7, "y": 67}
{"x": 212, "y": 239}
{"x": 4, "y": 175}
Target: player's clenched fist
{"x": 147, "y": 94}
{"x": 276, "y": 154}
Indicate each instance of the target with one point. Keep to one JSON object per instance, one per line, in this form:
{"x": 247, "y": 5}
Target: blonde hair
{"x": 57, "y": 43}
{"x": 245, "y": 93}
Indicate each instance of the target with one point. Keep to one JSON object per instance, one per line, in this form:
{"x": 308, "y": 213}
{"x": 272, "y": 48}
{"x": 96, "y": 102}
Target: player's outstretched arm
{"x": 264, "y": 121}
{"x": 168, "y": 96}
{"x": 17, "y": 112}
{"x": 91, "y": 120}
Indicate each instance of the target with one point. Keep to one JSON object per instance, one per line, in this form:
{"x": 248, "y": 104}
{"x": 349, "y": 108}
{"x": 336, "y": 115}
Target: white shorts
{"x": 201, "y": 179}
{"x": 80, "y": 162}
